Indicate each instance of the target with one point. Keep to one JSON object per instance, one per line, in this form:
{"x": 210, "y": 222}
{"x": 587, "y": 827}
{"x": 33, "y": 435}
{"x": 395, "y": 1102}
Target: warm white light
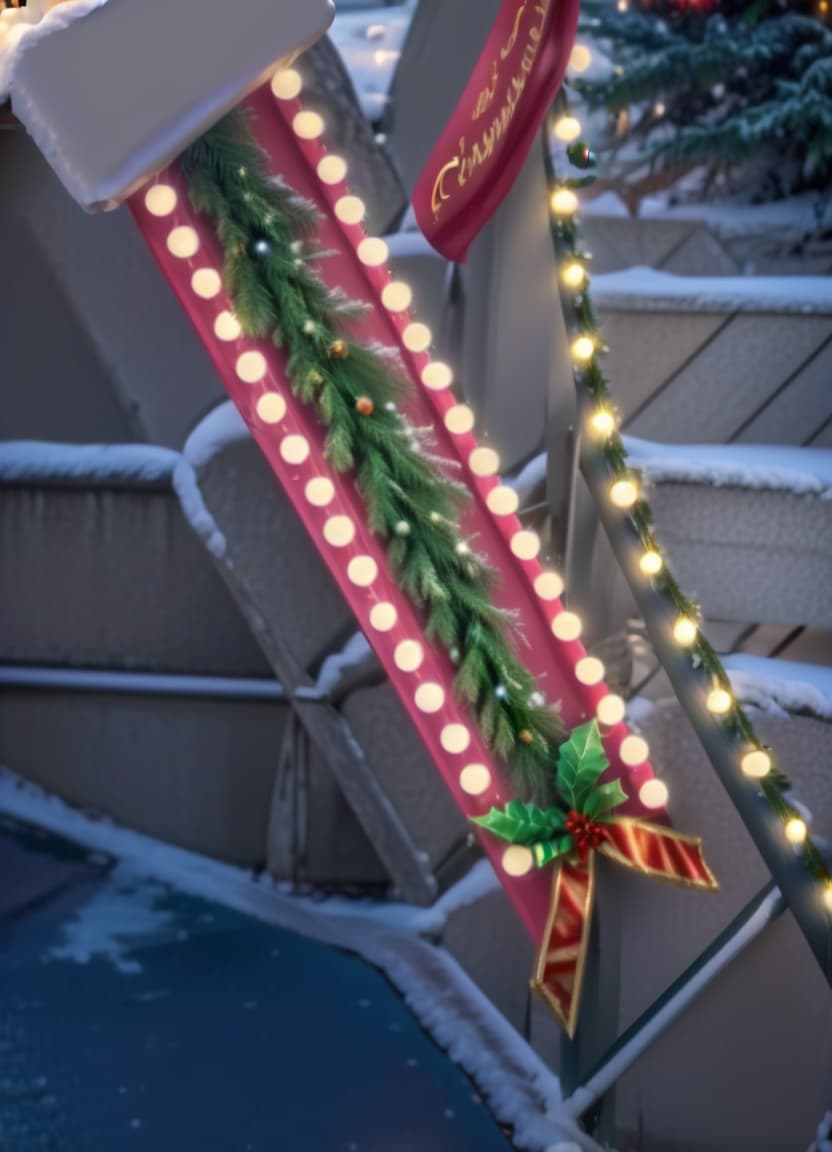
{"x": 685, "y": 632}
{"x": 206, "y": 283}
{"x": 286, "y": 84}
{"x": 417, "y": 337}
{"x": 437, "y": 376}
{"x": 183, "y": 242}
{"x": 517, "y": 860}
{"x": 580, "y": 58}
{"x": 362, "y": 571}
{"x": 227, "y": 327}
{"x": 548, "y": 586}
{"x": 651, "y": 563}
{"x": 350, "y": 209}
{"x": 459, "y": 419}
{"x": 796, "y": 830}
{"x": 659, "y": 109}
{"x": 409, "y": 655}
{"x": 271, "y": 408}
{"x": 602, "y": 422}
{"x": 633, "y": 751}
{"x": 611, "y": 710}
{"x": 720, "y": 702}
{"x": 564, "y": 202}
{"x": 525, "y": 545}
{"x": 574, "y": 275}
{"x": 320, "y": 492}
{"x": 567, "y": 626}
{"x": 503, "y": 501}
{"x": 339, "y": 531}
{"x": 294, "y": 449}
{"x": 332, "y": 169}
{"x": 373, "y": 252}
{"x": 455, "y": 738}
{"x": 383, "y": 617}
{"x": 308, "y": 125}
{"x": 567, "y": 129}
{"x": 251, "y": 367}
{"x": 624, "y": 493}
{"x": 484, "y": 462}
{"x": 653, "y": 794}
{"x": 475, "y": 779}
{"x": 589, "y": 671}
{"x": 430, "y": 697}
{"x": 622, "y": 5}
{"x": 583, "y": 349}
{"x": 160, "y": 200}
{"x": 827, "y": 897}
{"x": 396, "y": 296}
{"x": 756, "y": 765}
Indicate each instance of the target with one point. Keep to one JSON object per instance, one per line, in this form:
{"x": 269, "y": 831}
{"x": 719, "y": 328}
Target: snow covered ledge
{"x": 748, "y": 528}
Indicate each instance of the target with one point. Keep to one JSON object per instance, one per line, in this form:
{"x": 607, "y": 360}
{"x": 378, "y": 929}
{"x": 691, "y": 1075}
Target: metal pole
{"x": 82, "y": 681}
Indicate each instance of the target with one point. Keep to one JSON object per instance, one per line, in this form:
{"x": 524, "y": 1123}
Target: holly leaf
{"x": 604, "y": 798}
{"x": 522, "y": 823}
{"x": 551, "y": 850}
{"x": 581, "y": 762}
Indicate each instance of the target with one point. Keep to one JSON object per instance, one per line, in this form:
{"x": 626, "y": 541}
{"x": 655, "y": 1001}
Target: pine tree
{"x": 739, "y": 89}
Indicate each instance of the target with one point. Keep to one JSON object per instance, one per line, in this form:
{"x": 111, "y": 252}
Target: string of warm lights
{"x": 755, "y": 761}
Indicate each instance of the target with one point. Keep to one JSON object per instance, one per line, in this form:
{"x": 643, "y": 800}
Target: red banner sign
{"x": 479, "y": 155}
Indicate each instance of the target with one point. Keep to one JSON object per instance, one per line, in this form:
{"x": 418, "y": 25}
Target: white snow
{"x": 646, "y": 290}
{"x": 195, "y": 510}
{"x": 338, "y": 667}
{"x": 728, "y": 219}
{"x": 222, "y": 426}
{"x": 529, "y": 478}
{"x": 803, "y": 471}
{"x": 520, "y": 1089}
{"x": 37, "y": 461}
{"x": 17, "y": 33}
{"x": 781, "y": 686}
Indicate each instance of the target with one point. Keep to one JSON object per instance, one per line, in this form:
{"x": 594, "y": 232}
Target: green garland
{"x": 265, "y": 231}
{"x": 591, "y": 380}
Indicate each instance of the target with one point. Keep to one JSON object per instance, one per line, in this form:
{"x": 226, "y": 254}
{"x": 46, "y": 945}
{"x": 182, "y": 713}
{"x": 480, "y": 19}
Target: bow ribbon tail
{"x": 561, "y": 959}
{"x": 657, "y": 851}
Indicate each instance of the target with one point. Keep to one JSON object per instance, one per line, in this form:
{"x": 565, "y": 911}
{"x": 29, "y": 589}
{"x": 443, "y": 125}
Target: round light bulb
{"x": 720, "y": 702}
{"x": 286, "y": 84}
{"x": 602, "y": 422}
{"x": 503, "y": 501}
{"x": 475, "y": 779}
{"x": 271, "y": 408}
{"x": 564, "y": 202}
{"x": 756, "y": 765}
{"x": 383, "y": 617}
{"x": 227, "y": 327}
{"x": 624, "y": 494}
{"x": 183, "y": 242}
{"x": 525, "y": 545}
{"x": 430, "y": 697}
{"x": 651, "y": 563}
{"x": 362, "y": 571}
{"x": 589, "y": 671}
{"x": 294, "y": 449}
{"x": 611, "y": 710}
{"x": 397, "y": 296}
{"x": 633, "y": 751}
{"x": 567, "y": 626}
{"x": 339, "y": 531}
{"x": 573, "y": 275}
{"x": 417, "y": 337}
{"x": 409, "y": 655}
{"x": 251, "y": 367}
{"x": 437, "y": 376}
{"x": 484, "y": 462}
{"x": 548, "y": 586}
{"x": 160, "y": 200}
{"x": 517, "y": 860}
{"x": 580, "y": 58}
{"x": 653, "y": 794}
{"x": 796, "y": 830}
{"x": 455, "y": 738}
{"x": 373, "y": 252}
{"x": 350, "y": 209}
{"x": 459, "y": 419}
{"x": 308, "y": 125}
{"x": 332, "y": 169}
{"x": 685, "y": 632}
{"x": 567, "y": 129}
{"x": 320, "y": 492}
{"x": 206, "y": 283}
{"x": 583, "y": 349}
{"x": 827, "y": 897}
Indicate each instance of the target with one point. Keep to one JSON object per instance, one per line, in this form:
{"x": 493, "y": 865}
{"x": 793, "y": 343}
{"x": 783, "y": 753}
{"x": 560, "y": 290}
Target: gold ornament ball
{"x": 525, "y": 736}
{"x": 339, "y": 350}
{"x": 364, "y": 406}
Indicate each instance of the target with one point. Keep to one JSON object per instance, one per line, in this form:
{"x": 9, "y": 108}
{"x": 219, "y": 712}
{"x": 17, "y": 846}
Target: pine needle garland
{"x": 267, "y": 234}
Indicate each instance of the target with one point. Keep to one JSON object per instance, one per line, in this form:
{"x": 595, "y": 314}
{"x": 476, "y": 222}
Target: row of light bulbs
{"x": 624, "y": 492}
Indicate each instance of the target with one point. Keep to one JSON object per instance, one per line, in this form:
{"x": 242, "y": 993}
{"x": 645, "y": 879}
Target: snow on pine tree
{"x": 740, "y": 90}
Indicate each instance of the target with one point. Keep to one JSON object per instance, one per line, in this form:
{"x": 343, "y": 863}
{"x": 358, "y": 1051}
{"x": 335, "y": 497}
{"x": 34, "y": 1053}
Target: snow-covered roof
{"x": 42, "y": 462}
{"x": 650, "y": 291}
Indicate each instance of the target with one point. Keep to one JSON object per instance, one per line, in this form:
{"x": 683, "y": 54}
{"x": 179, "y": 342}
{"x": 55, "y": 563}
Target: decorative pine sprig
{"x": 412, "y": 500}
